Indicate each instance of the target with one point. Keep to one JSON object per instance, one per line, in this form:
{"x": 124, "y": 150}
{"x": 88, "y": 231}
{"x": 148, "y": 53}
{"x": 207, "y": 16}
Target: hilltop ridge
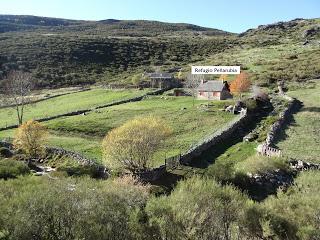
{"x": 62, "y": 52}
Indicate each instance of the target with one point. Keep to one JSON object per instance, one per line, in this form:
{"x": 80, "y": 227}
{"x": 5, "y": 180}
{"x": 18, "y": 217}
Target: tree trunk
{"x": 18, "y": 115}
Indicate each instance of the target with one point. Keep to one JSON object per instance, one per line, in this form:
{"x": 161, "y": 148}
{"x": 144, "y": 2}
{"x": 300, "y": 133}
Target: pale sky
{"x": 229, "y": 15}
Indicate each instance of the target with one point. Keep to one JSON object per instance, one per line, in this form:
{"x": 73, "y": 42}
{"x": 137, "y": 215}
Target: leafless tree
{"x": 192, "y": 82}
{"x": 17, "y": 88}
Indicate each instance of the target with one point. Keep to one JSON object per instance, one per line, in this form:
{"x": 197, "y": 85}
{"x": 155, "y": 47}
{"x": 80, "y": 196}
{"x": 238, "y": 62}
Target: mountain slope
{"x": 108, "y": 27}
{"x": 64, "y": 52}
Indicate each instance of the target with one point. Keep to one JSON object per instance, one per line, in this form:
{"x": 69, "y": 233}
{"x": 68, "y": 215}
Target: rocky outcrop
{"x": 82, "y": 160}
{"x": 311, "y": 31}
{"x": 261, "y": 185}
{"x": 299, "y": 165}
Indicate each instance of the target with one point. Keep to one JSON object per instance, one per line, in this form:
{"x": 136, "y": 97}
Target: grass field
{"x": 302, "y": 138}
{"x": 189, "y": 124}
{"x": 68, "y": 103}
{"x": 88, "y": 146}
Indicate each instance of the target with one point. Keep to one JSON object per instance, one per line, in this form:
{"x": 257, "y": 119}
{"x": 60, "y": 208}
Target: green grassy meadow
{"x": 84, "y": 133}
{"x": 68, "y": 103}
{"x": 301, "y": 140}
{"x": 189, "y": 123}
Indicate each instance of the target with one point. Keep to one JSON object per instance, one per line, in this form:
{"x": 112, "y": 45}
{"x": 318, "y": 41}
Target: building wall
{"x": 209, "y": 95}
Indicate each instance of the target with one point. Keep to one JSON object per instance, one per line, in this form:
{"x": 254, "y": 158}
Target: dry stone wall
{"x": 214, "y": 138}
{"x": 84, "y": 111}
{"x": 267, "y": 147}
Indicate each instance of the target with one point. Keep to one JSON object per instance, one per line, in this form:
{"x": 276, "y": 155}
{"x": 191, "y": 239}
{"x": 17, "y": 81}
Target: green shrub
{"x": 250, "y": 103}
{"x": 68, "y": 208}
{"x": 261, "y": 164}
{"x": 295, "y": 214}
{"x": 198, "y": 209}
{"x": 222, "y": 171}
{"x": 11, "y": 169}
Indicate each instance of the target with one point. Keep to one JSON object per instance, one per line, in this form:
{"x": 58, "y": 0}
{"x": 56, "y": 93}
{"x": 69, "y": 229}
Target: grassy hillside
{"x": 108, "y": 27}
{"x": 62, "y": 60}
{"x": 64, "y": 52}
{"x": 291, "y": 62}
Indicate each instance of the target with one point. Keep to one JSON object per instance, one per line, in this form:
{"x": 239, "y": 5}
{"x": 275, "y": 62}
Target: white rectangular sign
{"x": 215, "y": 69}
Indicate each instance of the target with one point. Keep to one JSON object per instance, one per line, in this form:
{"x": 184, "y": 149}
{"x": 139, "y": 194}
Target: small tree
{"x": 30, "y": 137}
{"x": 240, "y": 85}
{"x": 132, "y": 145}
{"x": 17, "y": 87}
{"x": 136, "y": 79}
{"x": 193, "y": 81}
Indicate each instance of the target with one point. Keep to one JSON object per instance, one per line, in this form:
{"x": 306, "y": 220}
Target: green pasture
{"x": 68, "y": 103}
{"x": 302, "y": 138}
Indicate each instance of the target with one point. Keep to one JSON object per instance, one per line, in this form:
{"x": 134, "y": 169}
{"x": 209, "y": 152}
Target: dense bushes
{"x": 198, "y": 208}
{"x": 295, "y": 214}
{"x": 10, "y": 168}
{"x": 70, "y": 209}
{"x": 60, "y": 60}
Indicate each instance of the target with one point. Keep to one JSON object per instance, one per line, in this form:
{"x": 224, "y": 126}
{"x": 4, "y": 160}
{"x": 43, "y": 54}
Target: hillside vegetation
{"x": 65, "y": 52}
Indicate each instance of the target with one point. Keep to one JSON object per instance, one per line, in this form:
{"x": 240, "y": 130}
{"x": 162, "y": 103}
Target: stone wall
{"x": 153, "y": 174}
{"x": 267, "y": 147}
{"x": 276, "y": 127}
{"x": 197, "y": 149}
{"x": 214, "y": 138}
{"x": 84, "y": 111}
{"x": 6, "y": 145}
{"x": 82, "y": 160}
{"x": 49, "y": 97}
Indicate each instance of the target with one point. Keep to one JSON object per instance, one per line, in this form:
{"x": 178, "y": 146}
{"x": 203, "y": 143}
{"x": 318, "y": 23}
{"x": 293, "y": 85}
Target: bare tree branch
{"x": 17, "y": 88}
{"x": 192, "y": 82}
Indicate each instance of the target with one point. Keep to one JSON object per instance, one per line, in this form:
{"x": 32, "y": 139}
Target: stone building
{"x": 213, "y": 90}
